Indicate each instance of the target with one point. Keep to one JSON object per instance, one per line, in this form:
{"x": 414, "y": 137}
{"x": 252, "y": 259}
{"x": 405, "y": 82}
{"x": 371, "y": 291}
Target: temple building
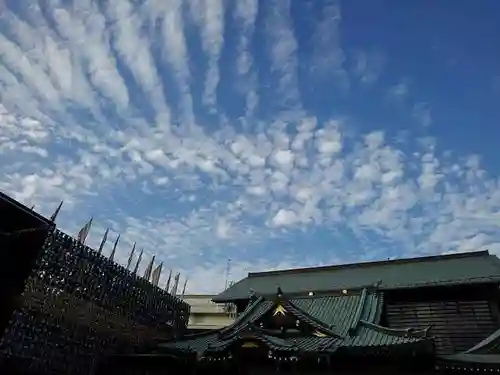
{"x": 422, "y": 315}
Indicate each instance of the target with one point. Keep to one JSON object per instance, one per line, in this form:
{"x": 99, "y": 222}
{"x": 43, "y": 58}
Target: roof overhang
{"x": 473, "y": 268}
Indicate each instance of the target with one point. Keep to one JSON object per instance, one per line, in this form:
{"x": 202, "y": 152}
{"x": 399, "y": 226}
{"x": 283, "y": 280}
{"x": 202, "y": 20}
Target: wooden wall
{"x": 460, "y": 317}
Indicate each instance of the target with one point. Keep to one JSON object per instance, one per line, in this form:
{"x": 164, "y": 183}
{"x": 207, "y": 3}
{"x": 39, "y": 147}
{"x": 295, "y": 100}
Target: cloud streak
{"x": 209, "y": 17}
{"x": 283, "y": 47}
{"x": 100, "y": 106}
{"x": 246, "y": 12}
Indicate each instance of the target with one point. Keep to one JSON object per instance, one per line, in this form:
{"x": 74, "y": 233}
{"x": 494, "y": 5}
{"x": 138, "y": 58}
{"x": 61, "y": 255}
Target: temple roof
{"x": 342, "y": 321}
{"x": 11, "y": 208}
{"x": 442, "y": 270}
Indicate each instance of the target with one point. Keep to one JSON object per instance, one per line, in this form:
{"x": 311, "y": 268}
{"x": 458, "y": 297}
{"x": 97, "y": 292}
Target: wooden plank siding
{"x": 457, "y": 325}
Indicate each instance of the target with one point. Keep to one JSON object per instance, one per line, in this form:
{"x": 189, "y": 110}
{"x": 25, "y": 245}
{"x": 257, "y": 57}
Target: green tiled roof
{"x": 338, "y": 311}
{"x": 346, "y": 321}
{"x": 474, "y": 267}
{"x": 368, "y": 336}
{"x": 253, "y": 311}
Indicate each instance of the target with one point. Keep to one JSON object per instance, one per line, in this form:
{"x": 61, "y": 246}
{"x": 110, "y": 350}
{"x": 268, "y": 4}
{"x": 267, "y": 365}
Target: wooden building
{"x": 422, "y": 315}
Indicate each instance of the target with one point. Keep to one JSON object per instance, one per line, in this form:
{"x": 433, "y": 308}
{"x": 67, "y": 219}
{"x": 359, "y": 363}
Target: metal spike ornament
{"x": 167, "y": 285}
{"x": 104, "y": 238}
{"x": 138, "y": 261}
{"x": 149, "y": 269}
{"x": 112, "y": 255}
{"x": 131, "y": 257}
{"x": 184, "y": 288}
{"x": 56, "y": 212}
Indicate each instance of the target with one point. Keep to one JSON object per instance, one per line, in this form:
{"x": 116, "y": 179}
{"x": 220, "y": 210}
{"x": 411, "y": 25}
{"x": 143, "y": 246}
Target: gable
{"x": 327, "y": 316}
{"x": 282, "y": 318}
{"x": 261, "y": 326}
{"x": 478, "y": 267}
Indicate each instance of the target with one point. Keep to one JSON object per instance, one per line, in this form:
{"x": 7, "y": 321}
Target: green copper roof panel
{"x": 366, "y": 337}
{"x": 253, "y": 311}
{"x": 439, "y": 270}
{"x": 198, "y": 343}
{"x": 339, "y": 311}
{"x": 352, "y": 321}
{"x": 315, "y": 344}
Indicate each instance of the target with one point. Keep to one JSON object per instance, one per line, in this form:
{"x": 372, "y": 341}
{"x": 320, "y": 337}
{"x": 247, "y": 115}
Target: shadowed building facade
{"x": 64, "y": 305}
{"x": 422, "y": 315}
{"x": 206, "y": 315}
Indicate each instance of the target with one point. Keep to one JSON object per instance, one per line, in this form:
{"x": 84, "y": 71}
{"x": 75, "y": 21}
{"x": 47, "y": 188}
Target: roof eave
{"x": 492, "y": 279}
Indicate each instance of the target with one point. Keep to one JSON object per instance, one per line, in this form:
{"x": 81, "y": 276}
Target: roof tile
{"x": 405, "y": 273}
{"x": 340, "y": 312}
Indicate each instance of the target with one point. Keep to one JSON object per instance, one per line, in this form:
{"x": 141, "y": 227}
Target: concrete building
{"x": 208, "y": 315}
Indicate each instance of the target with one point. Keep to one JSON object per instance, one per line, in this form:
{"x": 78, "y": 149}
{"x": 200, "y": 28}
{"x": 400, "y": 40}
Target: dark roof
{"x": 489, "y": 345}
{"x": 470, "y": 360}
{"x": 10, "y": 207}
{"x": 472, "y": 267}
{"x": 344, "y": 321}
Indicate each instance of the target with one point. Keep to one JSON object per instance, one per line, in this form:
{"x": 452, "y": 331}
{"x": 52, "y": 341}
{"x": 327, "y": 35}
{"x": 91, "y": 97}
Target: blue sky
{"x": 275, "y": 133}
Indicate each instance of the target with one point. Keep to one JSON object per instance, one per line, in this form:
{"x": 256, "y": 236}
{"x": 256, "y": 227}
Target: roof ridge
{"x": 358, "y": 314}
{"x": 281, "y": 298}
{"x": 470, "y": 254}
{"x": 238, "y": 321}
{"x": 406, "y": 332}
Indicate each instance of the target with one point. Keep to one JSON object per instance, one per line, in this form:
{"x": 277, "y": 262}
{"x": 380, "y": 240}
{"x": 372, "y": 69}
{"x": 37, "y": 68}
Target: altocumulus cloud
{"x": 186, "y": 127}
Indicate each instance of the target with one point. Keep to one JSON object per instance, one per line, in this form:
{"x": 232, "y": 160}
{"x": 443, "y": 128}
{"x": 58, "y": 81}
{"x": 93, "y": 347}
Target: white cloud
{"x": 328, "y": 57}
{"x": 209, "y": 16}
{"x": 368, "y": 66}
{"x": 87, "y": 115}
{"x": 283, "y": 49}
{"x": 174, "y": 48}
{"x": 245, "y": 12}
{"x": 399, "y": 92}
{"x": 285, "y": 218}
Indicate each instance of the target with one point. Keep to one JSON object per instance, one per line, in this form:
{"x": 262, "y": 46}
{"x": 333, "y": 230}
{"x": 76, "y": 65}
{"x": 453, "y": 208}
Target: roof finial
{"x": 279, "y": 292}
